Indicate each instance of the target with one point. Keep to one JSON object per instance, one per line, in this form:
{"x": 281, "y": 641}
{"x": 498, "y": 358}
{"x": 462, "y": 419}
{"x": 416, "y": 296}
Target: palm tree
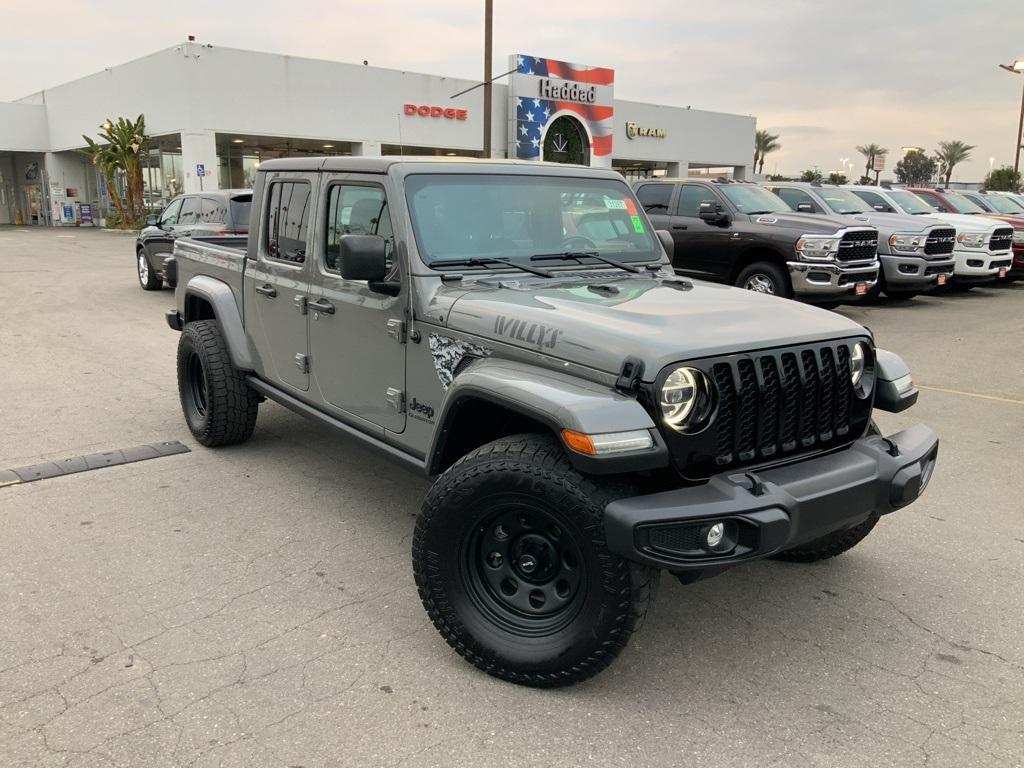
{"x": 764, "y": 142}
{"x": 870, "y": 152}
{"x": 119, "y": 152}
{"x": 949, "y": 154}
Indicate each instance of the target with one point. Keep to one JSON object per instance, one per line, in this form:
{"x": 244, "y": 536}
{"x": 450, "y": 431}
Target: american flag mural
{"x": 533, "y": 114}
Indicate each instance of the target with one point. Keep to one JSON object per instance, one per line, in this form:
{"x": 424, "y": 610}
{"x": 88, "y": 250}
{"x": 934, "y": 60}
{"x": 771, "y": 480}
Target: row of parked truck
{"x": 828, "y": 243}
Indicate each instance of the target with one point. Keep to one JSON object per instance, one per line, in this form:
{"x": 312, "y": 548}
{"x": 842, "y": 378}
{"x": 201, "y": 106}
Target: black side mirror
{"x": 362, "y": 257}
{"x": 712, "y": 213}
{"x": 804, "y": 208}
{"x": 667, "y": 242}
{"x": 152, "y": 220}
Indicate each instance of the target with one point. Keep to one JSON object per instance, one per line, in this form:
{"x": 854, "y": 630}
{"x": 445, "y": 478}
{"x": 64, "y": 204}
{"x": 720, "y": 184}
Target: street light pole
{"x": 1017, "y": 68}
{"x": 488, "y": 24}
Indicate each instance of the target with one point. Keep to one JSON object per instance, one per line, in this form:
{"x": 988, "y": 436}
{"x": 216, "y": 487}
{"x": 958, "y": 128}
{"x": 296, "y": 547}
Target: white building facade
{"x": 221, "y": 111}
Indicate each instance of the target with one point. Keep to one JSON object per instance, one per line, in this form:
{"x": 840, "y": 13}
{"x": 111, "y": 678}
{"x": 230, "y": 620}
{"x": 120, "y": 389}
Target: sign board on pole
{"x": 200, "y": 170}
{"x": 878, "y": 163}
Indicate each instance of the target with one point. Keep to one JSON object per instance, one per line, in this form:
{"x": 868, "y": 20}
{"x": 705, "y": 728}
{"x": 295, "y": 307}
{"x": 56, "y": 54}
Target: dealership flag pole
{"x": 488, "y": 19}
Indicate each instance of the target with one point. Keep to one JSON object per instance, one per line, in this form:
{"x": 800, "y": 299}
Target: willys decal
{"x": 540, "y": 336}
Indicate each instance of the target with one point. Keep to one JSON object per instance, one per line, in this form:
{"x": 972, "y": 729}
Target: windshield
{"x": 961, "y": 204}
{"x": 463, "y": 216}
{"x": 1001, "y": 204}
{"x": 909, "y": 202}
{"x": 750, "y": 199}
{"x": 844, "y": 201}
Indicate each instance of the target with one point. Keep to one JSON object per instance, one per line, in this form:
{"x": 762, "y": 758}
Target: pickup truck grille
{"x": 940, "y": 242}
{"x": 774, "y": 405}
{"x": 1002, "y": 240}
{"x": 858, "y": 246}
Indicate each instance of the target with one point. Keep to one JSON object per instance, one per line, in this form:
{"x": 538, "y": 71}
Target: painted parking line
{"x": 971, "y": 394}
{"x": 47, "y": 469}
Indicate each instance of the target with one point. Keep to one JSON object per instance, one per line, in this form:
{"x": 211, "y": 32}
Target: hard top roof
{"x": 362, "y": 164}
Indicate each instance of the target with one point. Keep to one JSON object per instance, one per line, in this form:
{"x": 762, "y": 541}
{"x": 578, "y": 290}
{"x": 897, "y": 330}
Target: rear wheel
{"x": 764, "y": 277}
{"x": 148, "y": 278}
{"x": 219, "y": 407}
{"x": 512, "y": 566}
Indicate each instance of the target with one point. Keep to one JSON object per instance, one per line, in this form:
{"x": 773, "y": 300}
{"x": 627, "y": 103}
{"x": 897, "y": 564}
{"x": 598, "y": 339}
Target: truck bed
{"x": 219, "y": 257}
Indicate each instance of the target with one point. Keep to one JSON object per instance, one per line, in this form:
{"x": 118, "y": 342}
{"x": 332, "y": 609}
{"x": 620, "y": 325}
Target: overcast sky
{"x": 825, "y": 75}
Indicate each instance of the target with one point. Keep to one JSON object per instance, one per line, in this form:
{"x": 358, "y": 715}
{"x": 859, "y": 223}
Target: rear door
{"x": 189, "y": 218}
{"x": 159, "y": 240}
{"x": 277, "y": 282}
{"x": 357, "y": 336}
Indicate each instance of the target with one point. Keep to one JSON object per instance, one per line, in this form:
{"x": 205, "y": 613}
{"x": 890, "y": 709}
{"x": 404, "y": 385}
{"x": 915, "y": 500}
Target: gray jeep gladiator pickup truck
{"x": 515, "y": 331}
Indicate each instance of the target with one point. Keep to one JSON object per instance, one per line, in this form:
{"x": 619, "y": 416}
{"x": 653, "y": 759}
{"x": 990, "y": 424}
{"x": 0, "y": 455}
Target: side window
{"x": 356, "y": 210}
{"x": 654, "y": 197}
{"x": 690, "y": 198}
{"x": 189, "y": 211}
{"x": 873, "y": 200}
{"x": 287, "y": 221}
{"x": 932, "y": 200}
{"x": 212, "y": 211}
{"x": 981, "y": 202}
{"x": 793, "y": 197}
{"x": 170, "y": 215}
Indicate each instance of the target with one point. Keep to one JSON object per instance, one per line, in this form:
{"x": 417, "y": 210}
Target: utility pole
{"x": 488, "y": 24}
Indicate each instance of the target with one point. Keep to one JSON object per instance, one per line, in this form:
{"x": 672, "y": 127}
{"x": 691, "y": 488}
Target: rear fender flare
{"x": 225, "y": 308}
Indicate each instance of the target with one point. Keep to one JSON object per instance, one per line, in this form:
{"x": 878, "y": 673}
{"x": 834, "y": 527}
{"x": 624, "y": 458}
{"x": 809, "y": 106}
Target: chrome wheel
{"x": 143, "y": 269}
{"x": 760, "y": 284}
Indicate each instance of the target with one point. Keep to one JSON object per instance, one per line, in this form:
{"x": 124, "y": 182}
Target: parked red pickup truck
{"x": 982, "y": 204}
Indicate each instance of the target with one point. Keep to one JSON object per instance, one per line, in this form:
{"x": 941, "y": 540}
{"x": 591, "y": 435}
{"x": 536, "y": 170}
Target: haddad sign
{"x": 568, "y": 91}
{"x": 633, "y": 130}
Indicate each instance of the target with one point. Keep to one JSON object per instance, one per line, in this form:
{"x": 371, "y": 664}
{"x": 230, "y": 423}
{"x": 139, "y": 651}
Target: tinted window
{"x": 169, "y": 217}
{"x": 654, "y": 197}
{"x": 794, "y": 197}
{"x": 458, "y": 216}
{"x": 690, "y": 198}
{"x": 189, "y": 211}
{"x": 240, "y": 209}
{"x": 873, "y": 199}
{"x": 287, "y": 220}
{"x": 212, "y": 211}
{"x": 356, "y": 210}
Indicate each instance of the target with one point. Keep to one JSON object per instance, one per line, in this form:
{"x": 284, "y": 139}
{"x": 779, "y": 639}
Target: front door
{"x": 277, "y": 283}
{"x": 356, "y": 335}
{"x": 701, "y": 248}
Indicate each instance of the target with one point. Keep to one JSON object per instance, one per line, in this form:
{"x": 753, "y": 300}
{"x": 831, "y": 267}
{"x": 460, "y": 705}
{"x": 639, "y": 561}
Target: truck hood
{"x": 600, "y": 318}
{"x": 1017, "y": 222}
{"x": 964, "y": 223}
{"x": 804, "y": 223}
{"x": 891, "y": 222}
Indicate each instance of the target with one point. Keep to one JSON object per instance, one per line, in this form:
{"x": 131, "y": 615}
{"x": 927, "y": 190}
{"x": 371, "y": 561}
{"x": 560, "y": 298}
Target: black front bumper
{"x": 773, "y": 509}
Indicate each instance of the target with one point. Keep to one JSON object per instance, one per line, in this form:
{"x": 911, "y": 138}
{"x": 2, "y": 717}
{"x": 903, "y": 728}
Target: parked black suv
{"x": 738, "y": 233}
{"x": 223, "y": 212}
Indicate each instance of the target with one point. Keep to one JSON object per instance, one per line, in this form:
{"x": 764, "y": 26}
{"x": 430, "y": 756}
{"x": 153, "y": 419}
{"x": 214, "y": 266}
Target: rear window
{"x": 240, "y": 207}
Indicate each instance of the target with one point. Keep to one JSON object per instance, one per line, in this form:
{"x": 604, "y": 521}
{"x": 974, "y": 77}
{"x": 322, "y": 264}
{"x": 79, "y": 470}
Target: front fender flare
{"x": 225, "y": 309}
{"x": 559, "y": 401}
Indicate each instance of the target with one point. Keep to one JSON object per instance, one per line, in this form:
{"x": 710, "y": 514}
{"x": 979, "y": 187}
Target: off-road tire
{"x": 613, "y": 596}
{"x": 148, "y": 278}
{"x": 219, "y": 407}
{"x": 829, "y": 546}
{"x": 778, "y": 278}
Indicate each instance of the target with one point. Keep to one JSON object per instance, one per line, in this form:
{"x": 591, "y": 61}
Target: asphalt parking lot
{"x": 255, "y": 606}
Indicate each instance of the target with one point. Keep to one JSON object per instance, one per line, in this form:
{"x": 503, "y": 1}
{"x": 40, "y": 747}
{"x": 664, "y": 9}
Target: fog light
{"x": 715, "y": 535}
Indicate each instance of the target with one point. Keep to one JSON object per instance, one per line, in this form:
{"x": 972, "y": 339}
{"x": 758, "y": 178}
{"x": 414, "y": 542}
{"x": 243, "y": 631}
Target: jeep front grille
{"x": 773, "y": 405}
{"x": 859, "y": 245}
{"x": 940, "y": 242}
{"x": 1002, "y": 240}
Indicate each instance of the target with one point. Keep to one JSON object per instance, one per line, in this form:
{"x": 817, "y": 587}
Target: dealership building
{"x": 213, "y": 114}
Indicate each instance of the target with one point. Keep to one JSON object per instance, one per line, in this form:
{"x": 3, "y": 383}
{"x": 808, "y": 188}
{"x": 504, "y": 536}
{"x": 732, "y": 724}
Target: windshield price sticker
{"x": 638, "y": 224}
{"x": 630, "y": 206}
{"x": 615, "y": 205}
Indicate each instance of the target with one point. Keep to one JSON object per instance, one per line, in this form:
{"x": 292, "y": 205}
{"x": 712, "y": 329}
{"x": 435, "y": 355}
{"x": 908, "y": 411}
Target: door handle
{"x": 679, "y": 226}
{"x": 320, "y": 305}
{"x": 266, "y": 290}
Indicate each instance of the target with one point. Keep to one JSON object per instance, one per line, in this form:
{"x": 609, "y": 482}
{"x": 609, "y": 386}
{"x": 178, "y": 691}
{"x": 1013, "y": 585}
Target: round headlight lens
{"x": 858, "y": 358}
{"x": 686, "y": 399}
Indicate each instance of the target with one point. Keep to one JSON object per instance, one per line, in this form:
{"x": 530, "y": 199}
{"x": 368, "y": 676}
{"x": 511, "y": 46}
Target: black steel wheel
{"x": 512, "y": 566}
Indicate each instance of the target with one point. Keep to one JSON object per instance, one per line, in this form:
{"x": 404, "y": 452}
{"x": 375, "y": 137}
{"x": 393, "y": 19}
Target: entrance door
{"x": 34, "y": 205}
{"x": 565, "y": 141}
{"x": 355, "y": 334}
{"x": 277, "y": 284}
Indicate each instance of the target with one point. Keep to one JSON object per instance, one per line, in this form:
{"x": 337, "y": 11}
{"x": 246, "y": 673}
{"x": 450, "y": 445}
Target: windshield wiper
{"x": 483, "y": 261}
{"x": 577, "y": 255}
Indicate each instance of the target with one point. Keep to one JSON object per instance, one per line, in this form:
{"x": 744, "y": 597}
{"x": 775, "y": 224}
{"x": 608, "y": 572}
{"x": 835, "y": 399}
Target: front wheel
{"x": 764, "y": 277}
{"x": 148, "y": 278}
{"x": 513, "y": 569}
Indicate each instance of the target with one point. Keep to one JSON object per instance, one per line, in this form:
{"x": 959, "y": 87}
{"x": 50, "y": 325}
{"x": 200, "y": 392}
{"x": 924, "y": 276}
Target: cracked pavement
{"x": 254, "y": 606}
